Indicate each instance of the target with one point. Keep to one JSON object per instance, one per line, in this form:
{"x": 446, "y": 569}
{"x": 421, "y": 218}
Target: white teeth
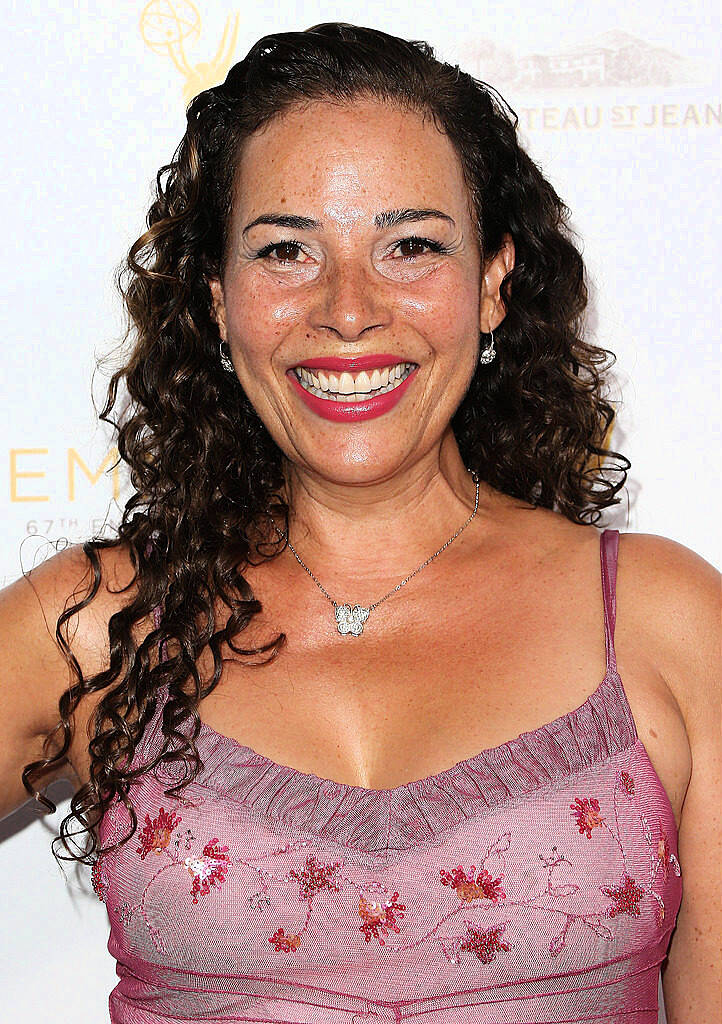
{"x": 363, "y": 383}
{"x": 346, "y": 389}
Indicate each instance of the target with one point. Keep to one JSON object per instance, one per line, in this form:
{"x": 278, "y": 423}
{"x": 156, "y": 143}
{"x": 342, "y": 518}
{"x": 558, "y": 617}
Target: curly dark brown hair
{"x": 204, "y": 470}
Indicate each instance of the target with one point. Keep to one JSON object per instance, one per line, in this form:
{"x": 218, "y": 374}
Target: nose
{"x": 349, "y": 301}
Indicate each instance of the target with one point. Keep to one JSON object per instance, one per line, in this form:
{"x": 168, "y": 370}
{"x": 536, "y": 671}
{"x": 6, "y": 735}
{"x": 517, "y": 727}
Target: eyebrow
{"x": 387, "y": 219}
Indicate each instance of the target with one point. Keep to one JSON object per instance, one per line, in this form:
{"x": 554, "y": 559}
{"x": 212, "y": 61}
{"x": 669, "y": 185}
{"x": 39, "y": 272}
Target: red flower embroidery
{"x": 156, "y": 833}
{"x": 285, "y": 943}
{"x": 628, "y": 783}
{"x": 665, "y": 855}
{"x": 485, "y": 944}
{"x": 663, "y": 852}
{"x": 316, "y": 876}
{"x": 98, "y": 879}
{"x": 626, "y": 898}
{"x": 208, "y": 870}
{"x": 379, "y": 917}
{"x": 587, "y": 814}
{"x": 468, "y": 887}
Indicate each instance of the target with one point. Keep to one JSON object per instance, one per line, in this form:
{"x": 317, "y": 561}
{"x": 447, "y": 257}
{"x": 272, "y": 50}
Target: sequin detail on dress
{"x": 537, "y": 881}
{"x": 156, "y": 834}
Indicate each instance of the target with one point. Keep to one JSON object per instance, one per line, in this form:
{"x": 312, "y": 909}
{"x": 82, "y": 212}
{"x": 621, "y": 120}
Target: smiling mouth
{"x": 352, "y": 387}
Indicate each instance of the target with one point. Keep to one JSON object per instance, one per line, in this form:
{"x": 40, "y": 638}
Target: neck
{"x": 363, "y": 533}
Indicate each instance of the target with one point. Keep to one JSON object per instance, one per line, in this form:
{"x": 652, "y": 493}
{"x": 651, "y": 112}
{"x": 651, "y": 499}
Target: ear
{"x": 219, "y": 306}
{"x": 491, "y": 307}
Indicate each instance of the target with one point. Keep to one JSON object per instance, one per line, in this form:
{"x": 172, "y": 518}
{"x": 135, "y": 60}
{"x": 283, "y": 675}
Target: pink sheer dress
{"x": 535, "y": 882}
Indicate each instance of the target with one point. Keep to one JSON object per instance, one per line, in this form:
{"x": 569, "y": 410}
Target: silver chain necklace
{"x": 350, "y": 619}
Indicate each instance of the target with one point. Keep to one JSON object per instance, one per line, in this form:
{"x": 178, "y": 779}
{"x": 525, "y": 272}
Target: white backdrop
{"x": 619, "y": 103}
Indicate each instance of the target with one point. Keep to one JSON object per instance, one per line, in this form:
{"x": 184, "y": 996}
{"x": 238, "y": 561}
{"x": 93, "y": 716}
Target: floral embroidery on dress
{"x": 552, "y": 864}
{"x": 662, "y": 859}
{"x": 547, "y": 891}
{"x": 285, "y": 943}
{"x": 380, "y": 917}
{"x": 209, "y": 869}
{"x": 627, "y": 783}
{"x": 98, "y": 879}
{"x": 586, "y": 811}
{"x": 470, "y": 887}
{"x": 626, "y": 897}
{"x": 486, "y": 883}
{"x": 555, "y": 863}
{"x": 156, "y": 834}
{"x": 665, "y": 856}
{"x": 485, "y": 944}
{"x": 665, "y": 862}
{"x": 315, "y": 876}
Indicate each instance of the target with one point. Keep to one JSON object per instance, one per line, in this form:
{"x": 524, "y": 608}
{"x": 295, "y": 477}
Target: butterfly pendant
{"x": 351, "y": 618}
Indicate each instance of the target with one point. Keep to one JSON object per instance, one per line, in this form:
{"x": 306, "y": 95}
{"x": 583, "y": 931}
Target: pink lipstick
{"x": 353, "y": 364}
{"x": 362, "y": 409}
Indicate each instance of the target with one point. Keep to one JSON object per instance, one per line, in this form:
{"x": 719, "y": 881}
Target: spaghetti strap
{"x": 608, "y": 550}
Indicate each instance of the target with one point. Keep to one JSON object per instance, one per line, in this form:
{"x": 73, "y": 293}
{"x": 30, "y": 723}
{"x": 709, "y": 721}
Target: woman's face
{"x": 353, "y": 263}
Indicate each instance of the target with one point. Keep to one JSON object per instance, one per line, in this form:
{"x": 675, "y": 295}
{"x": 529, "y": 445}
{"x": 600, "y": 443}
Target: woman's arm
{"x": 33, "y": 671}
{"x": 683, "y": 598}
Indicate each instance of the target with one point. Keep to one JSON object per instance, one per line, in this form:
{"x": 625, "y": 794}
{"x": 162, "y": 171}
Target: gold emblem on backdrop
{"x": 170, "y": 27}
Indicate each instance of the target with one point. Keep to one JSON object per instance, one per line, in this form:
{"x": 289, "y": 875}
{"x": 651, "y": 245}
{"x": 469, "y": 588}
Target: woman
{"x": 367, "y": 442}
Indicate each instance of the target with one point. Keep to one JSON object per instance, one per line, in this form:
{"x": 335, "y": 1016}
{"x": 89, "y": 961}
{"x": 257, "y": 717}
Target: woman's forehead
{"x": 368, "y": 151}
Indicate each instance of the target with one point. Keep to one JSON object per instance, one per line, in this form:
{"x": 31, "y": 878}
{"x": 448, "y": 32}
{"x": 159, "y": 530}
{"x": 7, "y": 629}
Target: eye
{"x": 415, "y": 241}
{"x": 288, "y": 249}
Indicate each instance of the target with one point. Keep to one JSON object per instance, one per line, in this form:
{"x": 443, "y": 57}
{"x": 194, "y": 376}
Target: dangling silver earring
{"x": 488, "y": 353}
{"x": 225, "y": 358}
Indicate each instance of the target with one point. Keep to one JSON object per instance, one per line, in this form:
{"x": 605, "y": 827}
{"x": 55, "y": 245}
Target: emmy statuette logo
{"x": 170, "y": 27}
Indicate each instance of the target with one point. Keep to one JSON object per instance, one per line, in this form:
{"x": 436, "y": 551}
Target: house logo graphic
{"x": 592, "y": 85}
{"x": 610, "y": 59}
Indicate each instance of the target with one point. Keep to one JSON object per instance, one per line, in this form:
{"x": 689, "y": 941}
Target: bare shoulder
{"x": 675, "y": 596}
{"x": 35, "y": 602}
{"x": 34, "y": 672}
{"x": 668, "y": 597}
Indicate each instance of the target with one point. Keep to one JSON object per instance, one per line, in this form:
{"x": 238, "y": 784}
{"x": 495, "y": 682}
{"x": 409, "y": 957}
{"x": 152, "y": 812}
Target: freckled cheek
{"x": 257, "y": 324}
{"x": 449, "y": 321}
{"x": 270, "y": 302}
